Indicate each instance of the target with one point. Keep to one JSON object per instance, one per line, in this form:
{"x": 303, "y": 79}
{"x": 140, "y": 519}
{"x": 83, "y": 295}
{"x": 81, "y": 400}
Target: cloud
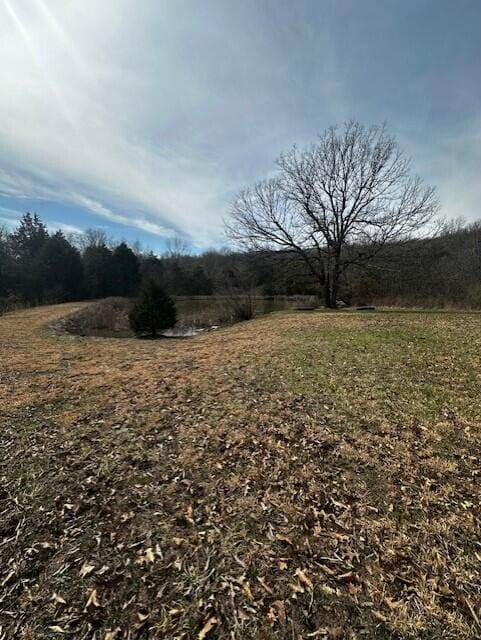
{"x": 55, "y": 225}
{"x": 103, "y": 112}
{"x": 10, "y": 213}
{"x": 104, "y": 212}
{"x": 7, "y": 222}
{"x": 154, "y": 114}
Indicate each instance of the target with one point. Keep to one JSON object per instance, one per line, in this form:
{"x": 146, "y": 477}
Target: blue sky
{"x": 145, "y": 118}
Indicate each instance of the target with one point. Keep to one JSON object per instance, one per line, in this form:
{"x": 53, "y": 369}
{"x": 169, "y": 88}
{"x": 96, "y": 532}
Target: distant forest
{"x": 38, "y": 267}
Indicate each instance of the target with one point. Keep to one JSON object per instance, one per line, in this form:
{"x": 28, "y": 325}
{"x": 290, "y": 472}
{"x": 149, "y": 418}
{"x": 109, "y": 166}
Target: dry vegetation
{"x": 303, "y": 475}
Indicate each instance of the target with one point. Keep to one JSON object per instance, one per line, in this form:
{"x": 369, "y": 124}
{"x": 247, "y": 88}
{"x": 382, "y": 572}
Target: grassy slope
{"x": 297, "y": 476}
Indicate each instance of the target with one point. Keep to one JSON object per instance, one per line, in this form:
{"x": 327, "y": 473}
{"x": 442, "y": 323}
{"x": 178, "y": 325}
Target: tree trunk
{"x": 334, "y": 277}
{"x": 334, "y": 288}
{"x": 331, "y": 280}
{"x": 327, "y": 291}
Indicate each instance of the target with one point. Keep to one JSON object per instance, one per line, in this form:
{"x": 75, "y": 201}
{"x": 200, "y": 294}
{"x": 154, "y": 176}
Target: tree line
{"x": 38, "y": 267}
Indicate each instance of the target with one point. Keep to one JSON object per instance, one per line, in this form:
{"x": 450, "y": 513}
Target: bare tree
{"x": 335, "y": 203}
{"x": 176, "y": 247}
{"x": 90, "y": 238}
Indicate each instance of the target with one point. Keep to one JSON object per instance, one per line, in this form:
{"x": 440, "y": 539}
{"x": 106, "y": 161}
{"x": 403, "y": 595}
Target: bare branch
{"x": 353, "y": 187}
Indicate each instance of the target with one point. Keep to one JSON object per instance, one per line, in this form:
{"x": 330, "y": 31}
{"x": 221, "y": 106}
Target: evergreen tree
{"x": 4, "y": 263}
{"x": 25, "y": 245}
{"x": 152, "y": 268}
{"x": 126, "y": 267}
{"x": 99, "y": 271}
{"x": 62, "y": 269}
{"x": 29, "y": 237}
{"x": 153, "y": 312}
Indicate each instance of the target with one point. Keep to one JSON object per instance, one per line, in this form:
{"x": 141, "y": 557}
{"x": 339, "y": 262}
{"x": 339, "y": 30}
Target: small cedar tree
{"x": 153, "y": 312}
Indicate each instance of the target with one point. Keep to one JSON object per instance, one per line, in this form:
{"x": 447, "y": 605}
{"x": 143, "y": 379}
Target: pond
{"x": 108, "y": 318}
{"x": 208, "y": 311}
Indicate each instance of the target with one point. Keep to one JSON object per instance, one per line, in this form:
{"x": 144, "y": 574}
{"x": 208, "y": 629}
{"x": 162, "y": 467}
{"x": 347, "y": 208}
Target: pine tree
{"x": 153, "y": 312}
{"x": 62, "y": 269}
{"x": 126, "y": 267}
{"x": 99, "y": 271}
{"x": 29, "y": 237}
{"x": 25, "y": 246}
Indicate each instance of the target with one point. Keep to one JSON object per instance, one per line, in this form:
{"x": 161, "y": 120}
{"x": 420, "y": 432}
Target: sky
{"x": 145, "y": 118}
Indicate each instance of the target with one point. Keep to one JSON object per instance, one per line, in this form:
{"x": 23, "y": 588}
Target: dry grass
{"x": 303, "y": 475}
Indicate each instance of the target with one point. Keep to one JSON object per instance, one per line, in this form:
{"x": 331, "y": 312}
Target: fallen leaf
{"x": 327, "y": 589}
{"x": 86, "y": 569}
{"x": 93, "y": 600}
{"x": 147, "y": 557}
{"x": 208, "y": 626}
{"x": 246, "y": 588}
{"x": 149, "y": 554}
{"x": 344, "y": 576}
{"x": 392, "y": 604}
{"x": 304, "y": 579}
{"x": 266, "y": 586}
{"x": 57, "y": 598}
{"x": 281, "y": 611}
{"x": 379, "y": 616}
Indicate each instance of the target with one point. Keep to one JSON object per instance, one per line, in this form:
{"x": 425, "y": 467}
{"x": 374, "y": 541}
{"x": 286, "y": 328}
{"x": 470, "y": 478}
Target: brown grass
{"x": 303, "y": 475}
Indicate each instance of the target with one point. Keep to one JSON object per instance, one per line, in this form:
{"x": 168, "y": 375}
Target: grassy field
{"x": 302, "y": 475}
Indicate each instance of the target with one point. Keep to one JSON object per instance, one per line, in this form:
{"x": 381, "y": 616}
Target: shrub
{"x": 153, "y": 312}
{"x": 239, "y": 307}
{"x": 106, "y": 318}
{"x": 110, "y": 314}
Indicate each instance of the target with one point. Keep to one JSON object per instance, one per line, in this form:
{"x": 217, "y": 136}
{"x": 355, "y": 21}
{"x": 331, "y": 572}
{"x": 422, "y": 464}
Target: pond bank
{"x": 108, "y": 318}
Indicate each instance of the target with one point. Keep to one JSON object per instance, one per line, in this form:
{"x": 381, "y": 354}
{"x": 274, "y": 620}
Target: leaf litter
{"x": 299, "y": 476}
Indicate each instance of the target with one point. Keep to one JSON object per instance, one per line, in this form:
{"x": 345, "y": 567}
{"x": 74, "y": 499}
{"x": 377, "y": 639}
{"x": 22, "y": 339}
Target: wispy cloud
{"x": 93, "y": 138}
{"x": 154, "y": 117}
{"x": 55, "y": 225}
{"x": 104, "y": 212}
{"x": 10, "y": 213}
{"x": 7, "y": 222}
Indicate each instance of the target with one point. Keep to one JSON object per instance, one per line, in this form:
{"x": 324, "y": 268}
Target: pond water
{"x": 187, "y": 332}
{"x": 206, "y": 313}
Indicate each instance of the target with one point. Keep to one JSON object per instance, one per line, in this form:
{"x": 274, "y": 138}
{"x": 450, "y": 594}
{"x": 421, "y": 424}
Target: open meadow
{"x": 302, "y": 475}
